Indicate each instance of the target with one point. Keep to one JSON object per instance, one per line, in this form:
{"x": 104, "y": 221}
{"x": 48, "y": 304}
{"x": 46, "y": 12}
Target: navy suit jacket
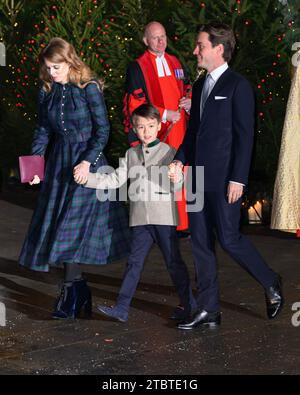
{"x": 222, "y": 141}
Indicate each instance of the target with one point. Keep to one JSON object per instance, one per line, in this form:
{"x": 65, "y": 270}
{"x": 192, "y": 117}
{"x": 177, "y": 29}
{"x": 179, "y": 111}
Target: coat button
{"x": 147, "y": 152}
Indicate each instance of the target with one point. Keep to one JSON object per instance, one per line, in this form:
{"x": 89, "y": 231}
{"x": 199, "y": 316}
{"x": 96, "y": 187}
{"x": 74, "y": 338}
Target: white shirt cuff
{"x": 238, "y": 183}
{"x": 164, "y": 117}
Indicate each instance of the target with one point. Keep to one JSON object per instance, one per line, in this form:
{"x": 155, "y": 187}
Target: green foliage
{"x": 16, "y": 21}
{"x": 259, "y": 34}
{"x": 108, "y": 35}
{"x": 291, "y": 21}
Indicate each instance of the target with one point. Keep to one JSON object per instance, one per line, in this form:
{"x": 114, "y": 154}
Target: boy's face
{"x": 146, "y": 129}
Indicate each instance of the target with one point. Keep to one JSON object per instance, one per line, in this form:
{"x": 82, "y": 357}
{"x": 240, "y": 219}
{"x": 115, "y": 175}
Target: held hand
{"x": 81, "y": 172}
{"x": 173, "y": 116}
{"x": 234, "y": 192}
{"x": 185, "y": 103}
{"x": 35, "y": 180}
{"x": 175, "y": 175}
{"x": 176, "y": 163}
{"x": 80, "y": 179}
{"x": 175, "y": 171}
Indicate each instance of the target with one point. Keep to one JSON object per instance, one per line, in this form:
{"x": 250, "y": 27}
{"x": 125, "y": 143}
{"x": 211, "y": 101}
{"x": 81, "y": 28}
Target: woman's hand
{"x": 81, "y": 172}
{"x": 35, "y": 180}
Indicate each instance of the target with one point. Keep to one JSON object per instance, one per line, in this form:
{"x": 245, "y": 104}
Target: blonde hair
{"x": 58, "y": 51}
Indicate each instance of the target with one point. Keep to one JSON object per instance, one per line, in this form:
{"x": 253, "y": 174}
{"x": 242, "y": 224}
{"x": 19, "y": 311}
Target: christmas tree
{"x": 17, "y": 123}
{"x": 261, "y": 56}
{"x": 290, "y": 9}
{"x": 108, "y": 35}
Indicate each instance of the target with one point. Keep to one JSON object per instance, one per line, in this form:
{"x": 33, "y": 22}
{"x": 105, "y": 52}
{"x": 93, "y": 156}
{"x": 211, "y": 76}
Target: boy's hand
{"x": 175, "y": 167}
{"x": 175, "y": 173}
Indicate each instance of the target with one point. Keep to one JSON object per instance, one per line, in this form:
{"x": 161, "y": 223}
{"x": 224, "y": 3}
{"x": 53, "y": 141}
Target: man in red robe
{"x": 158, "y": 78}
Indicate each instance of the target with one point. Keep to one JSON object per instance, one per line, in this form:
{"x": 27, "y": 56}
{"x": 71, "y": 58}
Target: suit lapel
{"x": 218, "y": 86}
{"x": 197, "y": 98}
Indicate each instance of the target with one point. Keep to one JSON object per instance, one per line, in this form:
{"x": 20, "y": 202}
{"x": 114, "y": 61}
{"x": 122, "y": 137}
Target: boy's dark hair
{"x": 220, "y": 33}
{"x": 146, "y": 111}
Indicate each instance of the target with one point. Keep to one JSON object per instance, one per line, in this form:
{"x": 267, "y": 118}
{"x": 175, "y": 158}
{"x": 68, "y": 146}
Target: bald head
{"x": 152, "y": 26}
{"x": 155, "y": 38}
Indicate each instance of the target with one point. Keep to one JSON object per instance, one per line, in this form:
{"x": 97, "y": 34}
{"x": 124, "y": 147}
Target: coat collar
{"x": 150, "y": 145}
{"x": 154, "y": 143}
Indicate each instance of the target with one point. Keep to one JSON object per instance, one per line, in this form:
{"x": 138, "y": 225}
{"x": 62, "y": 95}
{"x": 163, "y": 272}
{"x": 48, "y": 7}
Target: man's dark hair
{"x": 146, "y": 111}
{"x": 219, "y": 33}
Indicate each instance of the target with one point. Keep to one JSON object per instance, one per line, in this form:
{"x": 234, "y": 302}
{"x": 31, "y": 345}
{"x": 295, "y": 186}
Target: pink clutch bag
{"x": 31, "y": 165}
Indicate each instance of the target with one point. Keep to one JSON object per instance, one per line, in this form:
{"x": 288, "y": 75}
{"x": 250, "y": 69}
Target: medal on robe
{"x": 179, "y": 74}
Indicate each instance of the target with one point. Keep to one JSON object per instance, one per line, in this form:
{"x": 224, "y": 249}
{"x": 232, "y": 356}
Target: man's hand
{"x": 81, "y": 172}
{"x": 175, "y": 171}
{"x": 185, "y": 103}
{"x": 234, "y": 192}
{"x": 173, "y": 116}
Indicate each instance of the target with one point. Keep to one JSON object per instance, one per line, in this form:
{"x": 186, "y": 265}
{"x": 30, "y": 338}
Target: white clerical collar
{"x": 216, "y": 73}
{"x": 162, "y": 66}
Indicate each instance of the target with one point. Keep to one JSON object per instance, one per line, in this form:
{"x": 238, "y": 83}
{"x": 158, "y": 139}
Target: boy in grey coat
{"x": 153, "y": 212}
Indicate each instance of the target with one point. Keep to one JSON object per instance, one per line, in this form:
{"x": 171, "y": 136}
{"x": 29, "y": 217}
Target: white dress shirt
{"x": 162, "y": 66}
{"x": 163, "y": 70}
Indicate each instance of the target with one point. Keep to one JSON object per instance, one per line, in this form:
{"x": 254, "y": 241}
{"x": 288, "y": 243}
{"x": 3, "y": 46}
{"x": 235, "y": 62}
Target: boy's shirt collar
{"x": 153, "y": 144}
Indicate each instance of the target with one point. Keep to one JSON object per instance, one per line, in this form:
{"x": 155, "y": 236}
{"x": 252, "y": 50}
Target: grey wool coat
{"x": 151, "y": 194}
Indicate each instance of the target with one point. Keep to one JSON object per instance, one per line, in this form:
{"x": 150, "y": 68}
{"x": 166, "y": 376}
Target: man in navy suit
{"x": 220, "y": 138}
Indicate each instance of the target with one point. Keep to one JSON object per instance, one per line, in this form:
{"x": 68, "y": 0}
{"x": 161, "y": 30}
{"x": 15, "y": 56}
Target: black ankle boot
{"x": 72, "y": 299}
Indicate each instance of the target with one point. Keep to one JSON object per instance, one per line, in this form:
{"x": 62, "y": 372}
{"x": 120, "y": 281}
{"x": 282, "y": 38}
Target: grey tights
{"x": 72, "y": 271}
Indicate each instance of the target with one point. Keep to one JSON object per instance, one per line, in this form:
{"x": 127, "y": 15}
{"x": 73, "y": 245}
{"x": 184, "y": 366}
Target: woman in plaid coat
{"x": 70, "y": 225}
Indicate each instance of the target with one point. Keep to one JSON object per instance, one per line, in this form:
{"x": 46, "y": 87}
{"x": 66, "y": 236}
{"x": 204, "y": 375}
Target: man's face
{"x": 156, "y": 39}
{"x": 207, "y": 55}
{"x": 146, "y": 129}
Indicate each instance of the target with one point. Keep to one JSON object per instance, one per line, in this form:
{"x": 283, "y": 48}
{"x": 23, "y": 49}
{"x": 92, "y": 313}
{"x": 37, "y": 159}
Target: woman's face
{"x": 59, "y": 72}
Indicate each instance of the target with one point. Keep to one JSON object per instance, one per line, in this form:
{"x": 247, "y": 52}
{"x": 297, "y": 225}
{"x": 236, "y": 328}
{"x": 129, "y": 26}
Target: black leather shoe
{"x": 274, "y": 298}
{"x": 202, "y": 319}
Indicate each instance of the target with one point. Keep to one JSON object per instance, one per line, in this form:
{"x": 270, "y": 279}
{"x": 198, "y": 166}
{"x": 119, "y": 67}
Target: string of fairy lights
{"x": 23, "y": 76}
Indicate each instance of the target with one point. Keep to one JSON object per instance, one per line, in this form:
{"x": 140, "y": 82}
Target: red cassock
{"x": 144, "y": 85}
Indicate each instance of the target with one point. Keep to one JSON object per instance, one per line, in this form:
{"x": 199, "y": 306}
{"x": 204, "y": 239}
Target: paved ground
{"x": 246, "y": 343}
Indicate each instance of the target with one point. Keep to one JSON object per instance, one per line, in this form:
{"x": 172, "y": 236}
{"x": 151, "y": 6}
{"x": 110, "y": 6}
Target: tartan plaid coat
{"x": 69, "y": 224}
